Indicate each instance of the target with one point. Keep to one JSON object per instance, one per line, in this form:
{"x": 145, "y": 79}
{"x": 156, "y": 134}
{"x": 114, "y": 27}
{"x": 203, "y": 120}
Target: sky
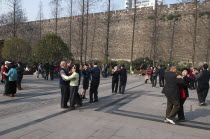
{"x": 31, "y": 9}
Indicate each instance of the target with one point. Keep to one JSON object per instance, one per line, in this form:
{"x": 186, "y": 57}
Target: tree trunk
{"x": 108, "y": 30}
{"x": 155, "y": 34}
{"x": 195, "y": 32}
{"x": 133, "y": 36}
{"x": 87, "y": 20}
{"x": 82, "y": 32}
{"x": 70, "y": 26}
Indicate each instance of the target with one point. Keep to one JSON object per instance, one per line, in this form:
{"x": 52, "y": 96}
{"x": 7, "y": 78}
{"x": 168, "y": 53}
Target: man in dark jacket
{"x": 172, "y": 93}
{"x": 64, "y": 85}
{"x": 123, "y": 79}
{"x": 52, "y": 68}
{"x": 161, "y": 73}
{"x": 95, "y": 72}
{"x": 203, "y": 84}
{"x": 20, "y": 72}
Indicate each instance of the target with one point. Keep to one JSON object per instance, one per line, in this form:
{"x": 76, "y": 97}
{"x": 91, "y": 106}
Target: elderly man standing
{"x": 95, "y": 72}
{"x": 64, "y": 85}
{"x": 172, "y": 93}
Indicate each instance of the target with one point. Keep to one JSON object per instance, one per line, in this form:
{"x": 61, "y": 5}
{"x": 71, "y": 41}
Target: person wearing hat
{"x": 12, "y": 84}
{"x": 95, "y": 73}
{"x": 123, "y": 79}
{"x": 5, "y": 69}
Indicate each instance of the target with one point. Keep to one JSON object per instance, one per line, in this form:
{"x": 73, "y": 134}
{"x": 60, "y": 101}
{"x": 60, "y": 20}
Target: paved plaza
{"x": 35, "y": 113}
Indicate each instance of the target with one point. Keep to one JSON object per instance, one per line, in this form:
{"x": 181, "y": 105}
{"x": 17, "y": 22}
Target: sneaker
{"x": 165, "y": 121}
{"x": 202, "y": 104}
{"x": 170, "y": 121}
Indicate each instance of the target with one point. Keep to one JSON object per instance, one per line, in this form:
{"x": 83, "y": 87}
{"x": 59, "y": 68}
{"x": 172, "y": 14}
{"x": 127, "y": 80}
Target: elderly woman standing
{"x": 115, "y": 79}
{"x": 12, "y": 84}
{"x": 74, "y": 87}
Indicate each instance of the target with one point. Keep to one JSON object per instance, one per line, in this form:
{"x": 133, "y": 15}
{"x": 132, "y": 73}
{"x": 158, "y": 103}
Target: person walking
{"x": 95, "y": 81}
{"x": 12, "y": 84}
{"x": 5, "y": 69}
{"x": 86, "y": 79}
{"x": 64, "y": 85}
{"x": 172, "y": 93}
{"x": 52, "y": 69}
{"x": 115, "y": 79}
{"x": 154, "y": 77}
{"x": 1, "y": 73}
{"x": 184, "y": 93}
{"x": 40, "y": 70}
{"x": 161, "y": 73}
{"x": 123, "y": 79}
{"x": 74, "y": 87}
{"x": 203, "y": 84}
{"x": 47, "y": 70}
{"x": 148, "y": 75}
{"x": 192, "y": 77}
{"x": 20, "y": 71}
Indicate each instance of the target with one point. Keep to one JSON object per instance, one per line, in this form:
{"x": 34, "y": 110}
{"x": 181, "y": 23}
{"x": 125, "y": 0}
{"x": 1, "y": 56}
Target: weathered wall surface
{"x": 121, "y": 33}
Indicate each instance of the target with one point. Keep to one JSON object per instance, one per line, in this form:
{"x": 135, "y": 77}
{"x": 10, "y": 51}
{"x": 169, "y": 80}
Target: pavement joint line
{"x": 44, "y": 118}
{"x": 8, "y": 101}
{"x": 117, "y": 112}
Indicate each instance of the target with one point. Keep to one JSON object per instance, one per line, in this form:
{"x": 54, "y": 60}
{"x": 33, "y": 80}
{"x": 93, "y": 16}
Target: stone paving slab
{"x": 137, "y": 114}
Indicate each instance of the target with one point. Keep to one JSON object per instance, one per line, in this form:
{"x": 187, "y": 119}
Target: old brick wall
{"x": 121, "y": 33}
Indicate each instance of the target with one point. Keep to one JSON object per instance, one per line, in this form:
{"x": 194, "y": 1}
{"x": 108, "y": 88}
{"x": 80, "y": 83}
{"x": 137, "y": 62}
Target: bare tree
{"x": 16, "y": 15}
{"x": 82, "y": 32}
{"x": 56, "y": 10}
{"x": 87, "y": 25}
{"x": 195, "y": 31}
{"x": 154, "y": 42}
{"x": 40, "y": 16}
{"x": 108, "y": 31}
{"x": 133, "y": 35}
{"x": 70, "y": 11}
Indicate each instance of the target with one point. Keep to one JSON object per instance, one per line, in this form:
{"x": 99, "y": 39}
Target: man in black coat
{"x": 123, "y": 79}
{"x": 95, "y": 72}
{"x": 172, "y": 93}
{"x": 203, "y": 84}
{"x": 161, "y": 73}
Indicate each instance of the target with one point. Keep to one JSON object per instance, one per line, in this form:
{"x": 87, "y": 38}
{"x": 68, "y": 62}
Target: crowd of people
{"x": 175, "y": 84}
{"x": 70, "y": 76}
{"x": 12, "y": 75}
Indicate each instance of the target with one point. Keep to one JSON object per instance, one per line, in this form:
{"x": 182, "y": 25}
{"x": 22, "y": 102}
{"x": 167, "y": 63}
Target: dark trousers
{"x": 181, "y": 109}
{"x": 115, "y": 86}
{"x": 12, "y": 85}
{"x": 154, "y": 81}
{"x": 172, "y": 108}
{"x": 202, "y": 94}
{"x": 6, "y": 86}
{"x": 64, "y": 95}
{"x": 46, "y": 75}
{"x": 122, "y": 87}
{"x": 19, "y": 80}
{"x": 74, "y": 96}
{"x": 94, "y": 90}
{"x": 161, "y": 81}
{"x": 192, "y": 83}
{"x": 51, "y": 76}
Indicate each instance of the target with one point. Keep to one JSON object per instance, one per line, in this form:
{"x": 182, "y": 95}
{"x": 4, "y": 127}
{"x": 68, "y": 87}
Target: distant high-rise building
{"x": 128, "y": 4}
{"x": 141, "y": 3}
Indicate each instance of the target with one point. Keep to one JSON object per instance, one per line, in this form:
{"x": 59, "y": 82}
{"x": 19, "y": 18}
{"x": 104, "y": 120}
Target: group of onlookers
{"x": 152, "y": 74}
{"x": 46, "y": 70}
{"x": 12, "y": 75}
{"x": 176, "y": 90}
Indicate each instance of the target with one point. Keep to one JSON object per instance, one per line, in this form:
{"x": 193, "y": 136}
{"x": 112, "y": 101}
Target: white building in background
{"x": 141, "y": 3}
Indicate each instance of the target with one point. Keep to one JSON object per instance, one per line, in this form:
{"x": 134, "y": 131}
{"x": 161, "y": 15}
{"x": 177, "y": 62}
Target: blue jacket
{"x": 12, "y": 74}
